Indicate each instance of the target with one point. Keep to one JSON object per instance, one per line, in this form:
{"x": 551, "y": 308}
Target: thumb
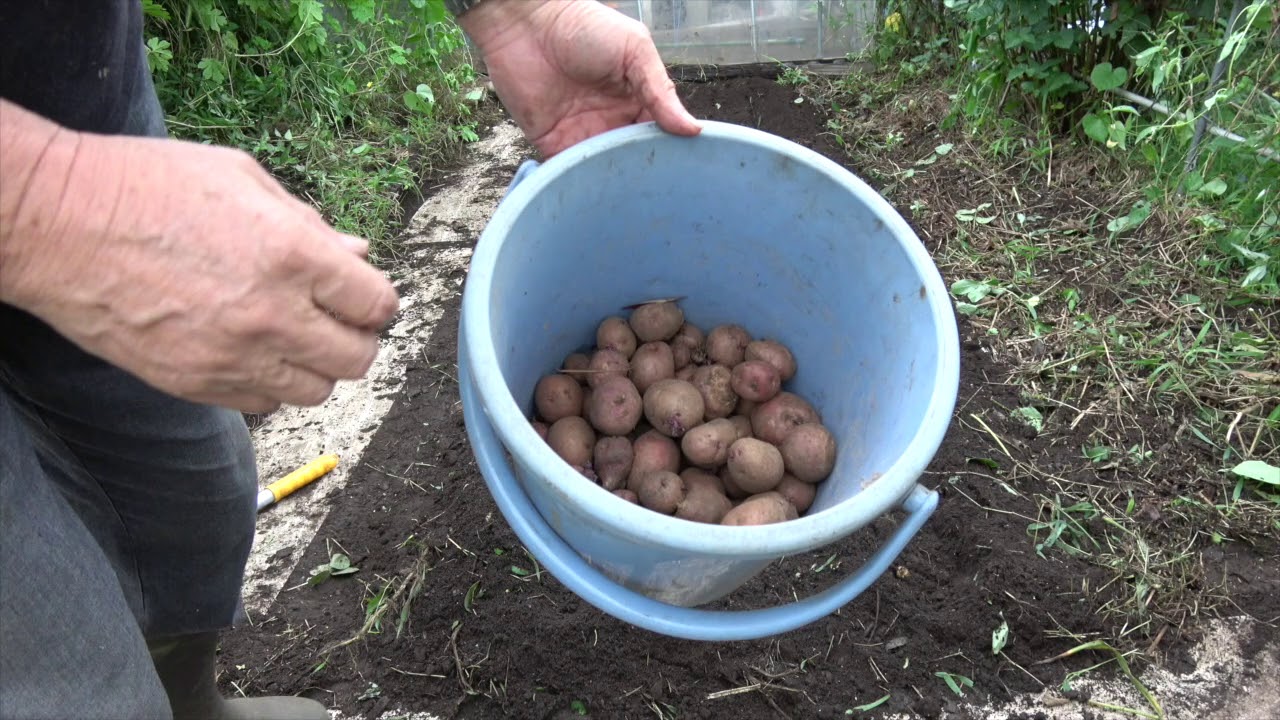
{"x": 657, "y": 93}
{"x": 354, "y": 245}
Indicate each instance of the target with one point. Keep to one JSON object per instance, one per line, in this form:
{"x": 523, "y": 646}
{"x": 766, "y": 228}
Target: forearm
{"x": 36, "y": 161}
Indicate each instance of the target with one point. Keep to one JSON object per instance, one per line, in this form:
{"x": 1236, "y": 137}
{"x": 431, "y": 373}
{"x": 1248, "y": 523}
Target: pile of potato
{"x": 688, "y": 424}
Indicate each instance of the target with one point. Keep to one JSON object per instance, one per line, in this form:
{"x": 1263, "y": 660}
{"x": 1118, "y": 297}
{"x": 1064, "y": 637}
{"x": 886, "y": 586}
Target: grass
{"x": 1124, "y": 328}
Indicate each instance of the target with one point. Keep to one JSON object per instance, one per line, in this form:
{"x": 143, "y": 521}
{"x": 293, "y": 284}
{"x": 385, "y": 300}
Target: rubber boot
{"x": 186, "y": 668}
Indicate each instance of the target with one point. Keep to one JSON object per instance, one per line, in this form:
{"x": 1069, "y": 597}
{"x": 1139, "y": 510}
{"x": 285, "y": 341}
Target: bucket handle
{"x": 563, "y": 562}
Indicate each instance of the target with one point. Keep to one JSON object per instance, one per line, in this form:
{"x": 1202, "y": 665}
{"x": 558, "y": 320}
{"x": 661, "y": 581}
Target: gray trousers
{"x": 124, "y": 514}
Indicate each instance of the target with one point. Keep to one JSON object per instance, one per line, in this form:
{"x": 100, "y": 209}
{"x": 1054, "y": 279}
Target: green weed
{"x": 346, "y": 102}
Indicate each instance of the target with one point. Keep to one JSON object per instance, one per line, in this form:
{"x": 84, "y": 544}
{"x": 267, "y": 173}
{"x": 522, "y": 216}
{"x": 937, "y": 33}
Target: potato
{"x": 755, "y": 465}
{"x": 731, "y": 488}
{"x": 746, "y": 407}
{"x": 576, "y": 366}
{"x": 673, "y": 407}
{"x": 702, "y": 503}
{"x": 696, "y": 476}
{"x": 587, "y": 472}
{"x": 573, "y": 439}
{"x": 742, "y": 424}
{"x": 615, "y": 406}
{"x": 797, "y": 492}
{"x": 727, "y": 344}
{"x": 689, "y": 346}
{"x": 611, "y": 459}
{"x": 627, "y": 495}
{"x": 557, "y": 396}
{"x": 809, "y": 452}
{"x": 540, "y": 428}
{"x": 686, "y": 373}
{"x": 651, "y": 452}
{"x": 614, "y": 333}
{"x": 715, "y": 384}
{"x": 707, "y": 445}
{"x": 605, "y": 363}
{"x": 660, "y": 491}
{"x": 756, "y": 380}
{"x": 774, "y": 353}
{"x": 656, "y": 320}
{"x": 774, "y": 420}
{"x": 761, "y": 509}
{"x": 651, "y": 362}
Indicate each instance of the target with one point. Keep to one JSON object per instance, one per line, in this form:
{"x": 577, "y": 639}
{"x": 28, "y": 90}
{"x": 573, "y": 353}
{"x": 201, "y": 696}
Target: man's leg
{"x": 69, "y": 644}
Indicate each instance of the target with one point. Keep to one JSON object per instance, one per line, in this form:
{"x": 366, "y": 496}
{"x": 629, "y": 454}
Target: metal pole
{"x": 755, "y": 42}
{"x": 822, "y": 12}
{"x": 640, "y": 10}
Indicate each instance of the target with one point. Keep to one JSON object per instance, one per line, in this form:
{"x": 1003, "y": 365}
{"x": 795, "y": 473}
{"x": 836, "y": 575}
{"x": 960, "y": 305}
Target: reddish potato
{"x": 673, "y": 407}
{"x": 703, "y": 503}
{"x": 656, "y": 321}
{"x": 689, "y": 346}
{"x": 572, "y": 439}
{"x": 742, "y": 424}
{"x": 774, "y": 420}
{"x": 607, "y": 363}
{"x": 615, "y": 406}
{"x": 651, "y": 363}
{"x": 686, "y": 373}
{"x": 727, "y": 344}
{"x": 731, "y": 488}
{"x": 627, "y": 495}
{"x": 797, "y": 492}
{"x": 540, "y": 428}
{"x": 707, "y": 445}
{"x": 761, "y": 509}
{"x": 557, "y": 396}
{"x": 809, "y": 452}
{"x": 576, "y": 366}
{"x": 651, "y": 452}
{"x": 755, "y": 465}
{"x": 615, "y": 333}
{"x": 774, "y": 353}
{"x": 715, "y": 384}
{"x": 695, "y": 476}
{"x": 660, "y": 491}
{"x": 587, "y": 472}
{"x": 756, "y": 380}
{"x": 611, "y": 459}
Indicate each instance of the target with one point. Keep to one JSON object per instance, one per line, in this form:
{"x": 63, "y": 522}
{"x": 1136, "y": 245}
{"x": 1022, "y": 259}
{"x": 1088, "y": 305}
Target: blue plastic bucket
{"x": 752, "y": 229}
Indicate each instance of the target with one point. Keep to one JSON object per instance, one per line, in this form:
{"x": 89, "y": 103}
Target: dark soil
{"x": 484, "y": 637}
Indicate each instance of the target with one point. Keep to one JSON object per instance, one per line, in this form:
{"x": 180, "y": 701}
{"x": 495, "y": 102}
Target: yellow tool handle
{"x": 288, "y": 484}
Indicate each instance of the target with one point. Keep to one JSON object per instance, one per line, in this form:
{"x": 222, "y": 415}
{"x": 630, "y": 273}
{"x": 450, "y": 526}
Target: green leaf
{"x": 362, "y": 11}
{"x": 1030, "y": 417}
{"x": 344, "y": 571}
{"x": 942, "y": 149}
{"x": 1098, "y": 453}
{"x": 999, "y": 637}
{"x": 1105, "y": 77}
{"x": 869, "y": 706}
{"x": 151, "y": 9}
{"x": 578, "y": 707}
{"x": 339, "y": 561}
{"x": 319, "y": 575}
{"x": 1258, "y": 470}
{"x": 1095, "y": 127}
{"x": 1216, "y": 186}
{"x": 519, "y": 571}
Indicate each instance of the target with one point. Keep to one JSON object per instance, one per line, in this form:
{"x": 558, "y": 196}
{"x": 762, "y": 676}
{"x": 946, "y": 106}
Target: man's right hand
{"x": 189, "y": 266}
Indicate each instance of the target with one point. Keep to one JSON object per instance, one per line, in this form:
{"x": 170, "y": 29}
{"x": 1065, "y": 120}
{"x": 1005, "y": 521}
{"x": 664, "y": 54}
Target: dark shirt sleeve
{"x": 72, "y": 61}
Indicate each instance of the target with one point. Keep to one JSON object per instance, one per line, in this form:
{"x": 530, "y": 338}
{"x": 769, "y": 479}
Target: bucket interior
{"x": 747, "y": 235}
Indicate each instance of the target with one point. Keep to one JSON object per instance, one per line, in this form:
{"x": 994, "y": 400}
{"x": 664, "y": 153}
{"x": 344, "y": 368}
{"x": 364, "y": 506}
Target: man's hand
{"x": 186, "y": 265}
{"x": 567, "y": 70}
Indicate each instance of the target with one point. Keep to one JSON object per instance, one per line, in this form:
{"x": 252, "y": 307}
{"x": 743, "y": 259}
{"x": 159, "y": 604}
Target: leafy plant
{"x": 957, "y": 683}
{"x": 335, "y": 98}
{"x": 338, "y": 565}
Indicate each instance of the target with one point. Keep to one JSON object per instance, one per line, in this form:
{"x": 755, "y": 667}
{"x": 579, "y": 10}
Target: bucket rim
{"x": 641, "y": 525}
